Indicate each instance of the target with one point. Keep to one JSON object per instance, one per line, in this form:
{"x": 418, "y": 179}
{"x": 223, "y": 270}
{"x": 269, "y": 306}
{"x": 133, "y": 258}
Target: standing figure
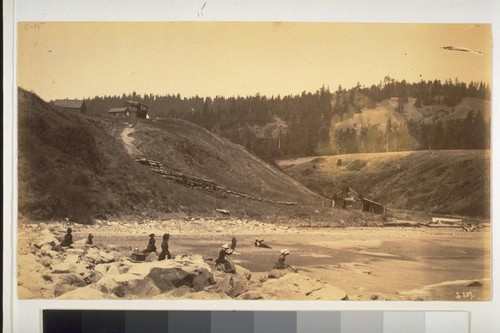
{"x": 281, "y": 261}
{"x": 233, "y": 243}
{"x": 68, "y": 238}
{"x": 89, "y": 240}
{"x": 260, "y": 243}
{"x": 151, "y": 245}
{"x": 164, "y": 248}
{"x": 222, "y": 263}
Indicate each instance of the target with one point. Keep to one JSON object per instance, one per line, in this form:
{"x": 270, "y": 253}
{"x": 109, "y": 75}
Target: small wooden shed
{"x": 71, "y": 105}
{"x": 352, "y": 200}
{"x": 349, "y": 198}
{"x": 372, "y": 206}
{"x": 120, "y": 112}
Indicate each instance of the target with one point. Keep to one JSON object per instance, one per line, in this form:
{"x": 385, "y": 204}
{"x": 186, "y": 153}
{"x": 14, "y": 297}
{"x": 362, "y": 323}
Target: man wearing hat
{"x": 164, "y": 248}
{"x": 281, "y": 261}
{"x": 222, "y": 262}
{"x": 151, "y": 245}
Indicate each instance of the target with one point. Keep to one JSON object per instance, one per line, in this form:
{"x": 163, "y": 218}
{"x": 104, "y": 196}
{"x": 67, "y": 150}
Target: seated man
{"x": 222, "y": 263}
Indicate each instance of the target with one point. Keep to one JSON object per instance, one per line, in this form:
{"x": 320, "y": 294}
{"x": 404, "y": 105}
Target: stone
{"x": 66, "y": 283}
{"x": 46, "y": 239}
{"x": 93, "y": 256}
{"x": 101, "y": 268}
{"x": 85, "y": 293}
{"x": 63, "y": 268}
{"x": 113, "y": 270}
{"x": 128, "y": 285}
{"x": 230, "y": 284}
{"x": 300, "y": 287}
{"x": 96, "y": 276}
{"x": 277, "y": 273}
{"x": 107, "y": 257}
{"x": 170, "y": 278}
{"x": 251, "y": 295}
{"x": 475, "y": 284}
{"x": 153, "y": 256}
{"x": 75, "y": 251}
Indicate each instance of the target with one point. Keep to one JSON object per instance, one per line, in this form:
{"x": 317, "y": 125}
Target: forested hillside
{"x": 391, "y": 116}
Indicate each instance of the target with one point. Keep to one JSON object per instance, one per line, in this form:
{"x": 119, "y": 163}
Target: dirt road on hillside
{"x": 128, "y": 140}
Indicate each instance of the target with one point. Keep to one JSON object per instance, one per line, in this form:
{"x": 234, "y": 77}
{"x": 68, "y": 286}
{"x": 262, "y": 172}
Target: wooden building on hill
{"x": 372, "y": 206}
{"x": 75, "y": 105}
{"x": 131, "y": 108}
{"x": 350, "y": 199}
{"x": 120, "y": 112}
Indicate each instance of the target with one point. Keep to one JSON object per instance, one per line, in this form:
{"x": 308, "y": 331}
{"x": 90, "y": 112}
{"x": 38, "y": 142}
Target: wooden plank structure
{"x": 71, "y": 105}
{"x": 372, "y": 206}
{"x": 352, "y": 200}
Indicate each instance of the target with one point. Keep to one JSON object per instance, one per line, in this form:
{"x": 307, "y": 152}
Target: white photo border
{"x": 26, "y": 315}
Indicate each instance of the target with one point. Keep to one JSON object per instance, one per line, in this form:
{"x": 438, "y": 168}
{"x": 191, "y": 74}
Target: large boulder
{"x": 107, "y": 257}
{"x": 31, "y": 282}
{"x": 46, "y": 238}
{"x": 300, "y": 287}
{"x": 102, "y": 268}
{"x": 127, "y": 285}
{"x": 277, "y": 273}
{"x": 86, "y": 293}
{"x": 93, "y": 256}
{"x": 232, "y": 285}
{"x": 170, "y": 278}
{"x": 144, "y": 280}
{"x": 68, "y": 282}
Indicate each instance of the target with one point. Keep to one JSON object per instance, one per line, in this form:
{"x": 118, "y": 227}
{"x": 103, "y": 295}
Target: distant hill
{"x": 391, "y": 116}
{"x": 77, "y": 167}
{"x": 387, "y": 109}
{"x": 446, "y": 182}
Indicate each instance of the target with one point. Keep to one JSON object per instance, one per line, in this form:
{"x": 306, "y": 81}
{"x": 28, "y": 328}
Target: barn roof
{"x": 114, "y": 110}
{"x": 69, "y": 103}
{"x": 373, "y": 202}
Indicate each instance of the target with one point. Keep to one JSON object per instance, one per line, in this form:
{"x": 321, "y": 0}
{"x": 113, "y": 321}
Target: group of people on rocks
{"x": 67, "y": 241}
{"x": 165, "y": 253}
{"x": 221, "y": 262}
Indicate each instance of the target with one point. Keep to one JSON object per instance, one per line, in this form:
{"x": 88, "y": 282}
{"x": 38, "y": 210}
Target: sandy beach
{"x": 369, "y": 263}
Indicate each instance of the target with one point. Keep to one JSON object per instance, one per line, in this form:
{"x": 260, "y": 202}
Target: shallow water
{"x": 409, "y": 264}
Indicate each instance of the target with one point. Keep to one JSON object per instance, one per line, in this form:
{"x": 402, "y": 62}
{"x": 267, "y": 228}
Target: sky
{"x": 87, "y": 59}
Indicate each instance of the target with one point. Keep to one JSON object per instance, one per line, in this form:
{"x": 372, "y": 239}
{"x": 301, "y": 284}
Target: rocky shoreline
{"x": 105, "y": 271}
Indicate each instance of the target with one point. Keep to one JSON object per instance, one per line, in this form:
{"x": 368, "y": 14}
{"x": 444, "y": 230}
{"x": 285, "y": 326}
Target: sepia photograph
{"x": 288, "y": 161}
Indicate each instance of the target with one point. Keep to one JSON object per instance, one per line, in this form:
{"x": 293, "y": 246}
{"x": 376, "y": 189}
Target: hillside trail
{"x": 128, "y": 140}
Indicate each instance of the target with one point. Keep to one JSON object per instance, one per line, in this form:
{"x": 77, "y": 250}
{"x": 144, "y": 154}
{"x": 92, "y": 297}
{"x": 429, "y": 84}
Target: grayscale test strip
{"x": 130, "y": 321}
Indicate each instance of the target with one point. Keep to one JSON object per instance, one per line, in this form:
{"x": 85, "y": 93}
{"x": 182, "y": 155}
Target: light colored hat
{"x": 225, "y": 246}
{"x": 285, "y": 252}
